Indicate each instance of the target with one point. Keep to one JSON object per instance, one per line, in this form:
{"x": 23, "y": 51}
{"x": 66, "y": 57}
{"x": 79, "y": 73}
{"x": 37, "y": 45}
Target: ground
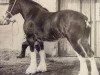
{"x": 10, "y": 65}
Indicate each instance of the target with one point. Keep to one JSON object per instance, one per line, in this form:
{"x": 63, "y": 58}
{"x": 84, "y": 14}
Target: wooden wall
{"x": 97, "y": 28}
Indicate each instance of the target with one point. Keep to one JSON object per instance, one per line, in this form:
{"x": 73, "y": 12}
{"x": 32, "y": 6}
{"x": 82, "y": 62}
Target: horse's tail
{"x": 87, "y": 30}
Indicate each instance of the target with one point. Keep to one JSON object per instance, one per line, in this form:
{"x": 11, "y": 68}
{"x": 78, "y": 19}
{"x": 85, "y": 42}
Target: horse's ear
{"x": 11, "y": 1}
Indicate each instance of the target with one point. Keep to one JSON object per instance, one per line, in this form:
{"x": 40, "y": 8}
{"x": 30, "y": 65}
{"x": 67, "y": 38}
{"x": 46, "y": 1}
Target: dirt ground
{"x": 10, "y": 65}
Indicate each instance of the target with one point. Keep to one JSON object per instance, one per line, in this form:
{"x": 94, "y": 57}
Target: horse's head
{"x": 13, "y": 8}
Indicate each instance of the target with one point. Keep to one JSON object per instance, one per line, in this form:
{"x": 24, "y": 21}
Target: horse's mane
{"x": 35, "y": 3}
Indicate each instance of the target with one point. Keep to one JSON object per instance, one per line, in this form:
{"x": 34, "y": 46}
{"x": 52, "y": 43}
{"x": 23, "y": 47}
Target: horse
{"x": 42, "y": 25}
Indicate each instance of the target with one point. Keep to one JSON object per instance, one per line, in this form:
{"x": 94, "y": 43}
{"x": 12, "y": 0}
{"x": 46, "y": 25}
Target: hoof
{"x": 42, "y": 68}
{"x": 83, "y": 73}
{"x": 21, "y": 56}
{"x": 95, "y": 73}
{"x": 31, "y": 70}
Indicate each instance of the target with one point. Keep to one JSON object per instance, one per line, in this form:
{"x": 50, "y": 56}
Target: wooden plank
{"x": 93, "y": 27}
{"x": 98, "y": 38}
{"x": 97, "y": 28}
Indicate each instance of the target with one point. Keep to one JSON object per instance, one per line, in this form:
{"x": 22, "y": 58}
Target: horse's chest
{"x": 28, "y": 28}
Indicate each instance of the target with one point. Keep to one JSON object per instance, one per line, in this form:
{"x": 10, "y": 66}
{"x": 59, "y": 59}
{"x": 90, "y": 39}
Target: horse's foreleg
{"x": 42, "y": 65}
{"x": 33, "y": 64}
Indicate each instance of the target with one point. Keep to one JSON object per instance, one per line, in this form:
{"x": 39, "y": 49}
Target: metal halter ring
{"x": 9, "y": 13}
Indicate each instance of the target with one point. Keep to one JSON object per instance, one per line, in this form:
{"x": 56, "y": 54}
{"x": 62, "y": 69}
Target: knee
{"x": 82, "y": 54}
{"x": 90, "y": 53}
{"x": 39, "y": 45}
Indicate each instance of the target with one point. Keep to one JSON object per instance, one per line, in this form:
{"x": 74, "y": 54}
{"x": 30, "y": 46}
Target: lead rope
{"x": 12, "y": 40}
{"x": 9, "y": 12}
{"x": 13, "y": 6}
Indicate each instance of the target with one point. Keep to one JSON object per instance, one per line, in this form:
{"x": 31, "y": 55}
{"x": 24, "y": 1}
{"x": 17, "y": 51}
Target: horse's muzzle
{"x": 4, "y": 21}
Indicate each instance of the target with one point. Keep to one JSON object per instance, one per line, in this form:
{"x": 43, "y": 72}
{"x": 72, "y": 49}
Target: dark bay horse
{"x": 41, "y": 25}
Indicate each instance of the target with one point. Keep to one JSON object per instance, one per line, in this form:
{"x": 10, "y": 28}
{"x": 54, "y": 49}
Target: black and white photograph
{"x": 49, "y": 37}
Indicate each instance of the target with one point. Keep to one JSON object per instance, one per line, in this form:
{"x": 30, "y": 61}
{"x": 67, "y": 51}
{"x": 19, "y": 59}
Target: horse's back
{"x": 66, "y": 23}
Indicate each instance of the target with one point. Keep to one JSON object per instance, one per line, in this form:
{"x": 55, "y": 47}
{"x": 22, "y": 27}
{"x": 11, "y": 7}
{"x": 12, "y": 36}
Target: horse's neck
{"x": 29, "y": 10}
{"x": 29, "y": 13}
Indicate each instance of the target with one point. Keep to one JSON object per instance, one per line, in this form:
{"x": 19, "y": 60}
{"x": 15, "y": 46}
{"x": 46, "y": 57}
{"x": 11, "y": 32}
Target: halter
{"x": 9, "y": 12}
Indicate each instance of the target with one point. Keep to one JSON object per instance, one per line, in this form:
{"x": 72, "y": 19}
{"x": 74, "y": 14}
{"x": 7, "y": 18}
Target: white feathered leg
{"x": 33, "y": 65}
{"x": 42, "y": 65}
{"x": 94, "y": 70}
{"x": 83, "y": 65}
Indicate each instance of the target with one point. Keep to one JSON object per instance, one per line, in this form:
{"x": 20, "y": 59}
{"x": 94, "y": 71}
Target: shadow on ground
{"x": 10, "y": 65}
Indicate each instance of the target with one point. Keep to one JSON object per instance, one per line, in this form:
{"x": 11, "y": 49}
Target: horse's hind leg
{"x": 90, "y": 54}
{"x": 81, "y": 55}
{"x": 42, "y": 65}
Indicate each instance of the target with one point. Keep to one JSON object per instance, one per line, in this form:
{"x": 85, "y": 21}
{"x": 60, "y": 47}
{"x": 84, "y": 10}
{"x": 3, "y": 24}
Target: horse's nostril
{"x": 3, "y": 21}
{"x": 6, "y": 22}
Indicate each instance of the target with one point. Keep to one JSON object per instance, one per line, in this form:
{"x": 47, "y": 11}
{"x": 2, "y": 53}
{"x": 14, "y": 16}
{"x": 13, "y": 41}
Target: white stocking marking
{"x": 94, "y": 70}
{"x": 83, "y": 65}
{"x": 33, "y": 65}
{"x": 42, "y": 65}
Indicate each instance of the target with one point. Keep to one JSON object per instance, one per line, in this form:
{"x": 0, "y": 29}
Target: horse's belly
{"x": 52, "y": 36}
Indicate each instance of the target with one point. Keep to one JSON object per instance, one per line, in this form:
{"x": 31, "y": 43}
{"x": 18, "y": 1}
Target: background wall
{"x": 97, "y": 27}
